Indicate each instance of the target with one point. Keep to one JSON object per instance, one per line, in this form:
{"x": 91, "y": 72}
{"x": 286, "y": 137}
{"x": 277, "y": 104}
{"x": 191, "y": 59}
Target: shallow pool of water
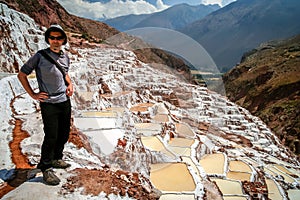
{"x": 294, "y": 194}
{"x": 241, "y": 176}
{"x": 169, "y": 177}
{"x": 229, "y": 187}
{"x": 177, "y": 197}
{"x": 239, "y": 166}
{"x": 273, "y": 191}
{"x": 183, "y": 129}
{"x": 213, "y": 163}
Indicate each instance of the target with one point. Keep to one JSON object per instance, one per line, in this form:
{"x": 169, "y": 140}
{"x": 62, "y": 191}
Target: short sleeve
{"x": 31, "y": 64}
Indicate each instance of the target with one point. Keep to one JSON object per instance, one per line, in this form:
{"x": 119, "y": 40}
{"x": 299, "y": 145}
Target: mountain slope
{"x": 47, "y": 12}
{"x": 267, "y": 83}
{"x": 174, "y": 17}
{"x": 241, "y": 26}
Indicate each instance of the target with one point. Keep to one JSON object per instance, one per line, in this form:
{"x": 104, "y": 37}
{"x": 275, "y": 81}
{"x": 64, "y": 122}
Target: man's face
{"x": 55, "y": 40}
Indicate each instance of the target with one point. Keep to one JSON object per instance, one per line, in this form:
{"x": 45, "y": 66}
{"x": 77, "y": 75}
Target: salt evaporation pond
{"x": 213, "y": 163}
{"x": 229, "y": 187}
{"x": 274, "y": 192}
{"x": 102, "y": 130}
{"x": 164, "y": 176}
{"x": 177, "y": 196}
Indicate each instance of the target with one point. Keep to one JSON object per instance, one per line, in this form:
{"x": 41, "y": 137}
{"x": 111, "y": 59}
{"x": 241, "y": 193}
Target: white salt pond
{"x": 148, "y": 129}
{"x": 95, "y": 123}
{"x": 104, "y": 140}
{"x": 101, "y": 129}
{"x": 294, "y": 194}
{"x": 165, "y": 177}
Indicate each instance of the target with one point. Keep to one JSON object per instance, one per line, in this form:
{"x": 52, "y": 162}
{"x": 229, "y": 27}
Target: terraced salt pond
{"x": 229, "y": 187}
{"x": 178, "y": 180}
{"x": 164, "y": 176}
{"x": 213, "y": 163}
{"x": 102, "y": 128}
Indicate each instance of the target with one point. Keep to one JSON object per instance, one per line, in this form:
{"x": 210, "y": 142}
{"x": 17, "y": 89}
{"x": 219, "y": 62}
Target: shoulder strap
{"x": 52, "y": 60}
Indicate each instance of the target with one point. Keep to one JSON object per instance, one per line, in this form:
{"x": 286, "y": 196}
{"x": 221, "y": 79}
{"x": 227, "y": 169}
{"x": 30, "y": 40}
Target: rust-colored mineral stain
{"x": 18, "y": 158}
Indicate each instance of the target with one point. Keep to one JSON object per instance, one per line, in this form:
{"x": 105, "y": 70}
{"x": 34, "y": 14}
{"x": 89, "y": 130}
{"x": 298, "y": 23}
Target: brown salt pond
{"x": 239, "y": 170}
{"x": 181, "y": 142}
{"x": 213, "y": 163}
{"x": 229, "y": 187}
{"x": 172, "y": 177}
{"x": 241, "y": 176}
{"x": 273, "y": 170}
{"x": 153, "y": 143}
{"x": 161, "y": 118}
{"x": 142, "y": 107}
{"x": 274, "y": 192}
{"x": 239, "y": 166}
{"x": 181, "y": 146}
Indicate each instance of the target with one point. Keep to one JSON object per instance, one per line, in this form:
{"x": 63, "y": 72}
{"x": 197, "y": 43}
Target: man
{"x": 54, "y": 93}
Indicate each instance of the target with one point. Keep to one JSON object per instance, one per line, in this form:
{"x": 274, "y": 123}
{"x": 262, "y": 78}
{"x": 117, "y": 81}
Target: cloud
{"x": 111, "y": 9}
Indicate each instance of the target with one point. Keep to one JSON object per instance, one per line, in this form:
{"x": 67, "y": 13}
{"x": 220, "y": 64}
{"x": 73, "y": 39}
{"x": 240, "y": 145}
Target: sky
{"x": 99, "y": 9}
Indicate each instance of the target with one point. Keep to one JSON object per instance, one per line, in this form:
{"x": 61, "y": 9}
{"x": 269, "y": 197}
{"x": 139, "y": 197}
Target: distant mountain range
{"x": 239, "y": 27}
{"x": 175, "y": 17}
{"x": 226, "y": 33}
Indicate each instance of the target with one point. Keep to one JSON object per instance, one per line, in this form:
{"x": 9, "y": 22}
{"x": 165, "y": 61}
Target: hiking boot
{"x": 50, "y": 178}
{"x": 60, "y": 164}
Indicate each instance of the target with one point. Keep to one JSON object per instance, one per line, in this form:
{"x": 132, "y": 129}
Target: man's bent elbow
{"x": 21, "y": 75}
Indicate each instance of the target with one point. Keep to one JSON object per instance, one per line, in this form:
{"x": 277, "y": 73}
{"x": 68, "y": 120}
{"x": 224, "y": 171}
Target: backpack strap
{"x": 52, "y": 60}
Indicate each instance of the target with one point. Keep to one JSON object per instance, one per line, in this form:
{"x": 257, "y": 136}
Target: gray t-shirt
{"x": 49, "y": 78}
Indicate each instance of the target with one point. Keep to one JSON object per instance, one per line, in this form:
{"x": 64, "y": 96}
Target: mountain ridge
{"x": 241, "y": 26}
{"x": 174, "y": 17}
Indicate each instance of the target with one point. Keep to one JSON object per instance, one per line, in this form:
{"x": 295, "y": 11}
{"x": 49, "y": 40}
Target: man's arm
{"x": 70, "y": 89}
{"x": 25, "y": 83}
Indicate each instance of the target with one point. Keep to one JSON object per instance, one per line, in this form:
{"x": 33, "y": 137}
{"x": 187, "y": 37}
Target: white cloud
{"x": 111, "y": 9}
{"x": 220, "y": 2}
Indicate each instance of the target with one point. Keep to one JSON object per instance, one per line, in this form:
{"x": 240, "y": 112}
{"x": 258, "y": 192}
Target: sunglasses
{"x": 56, "y": 38}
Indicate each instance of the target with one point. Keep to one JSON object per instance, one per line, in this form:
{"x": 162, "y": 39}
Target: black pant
{"x": 57, "y": 121}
